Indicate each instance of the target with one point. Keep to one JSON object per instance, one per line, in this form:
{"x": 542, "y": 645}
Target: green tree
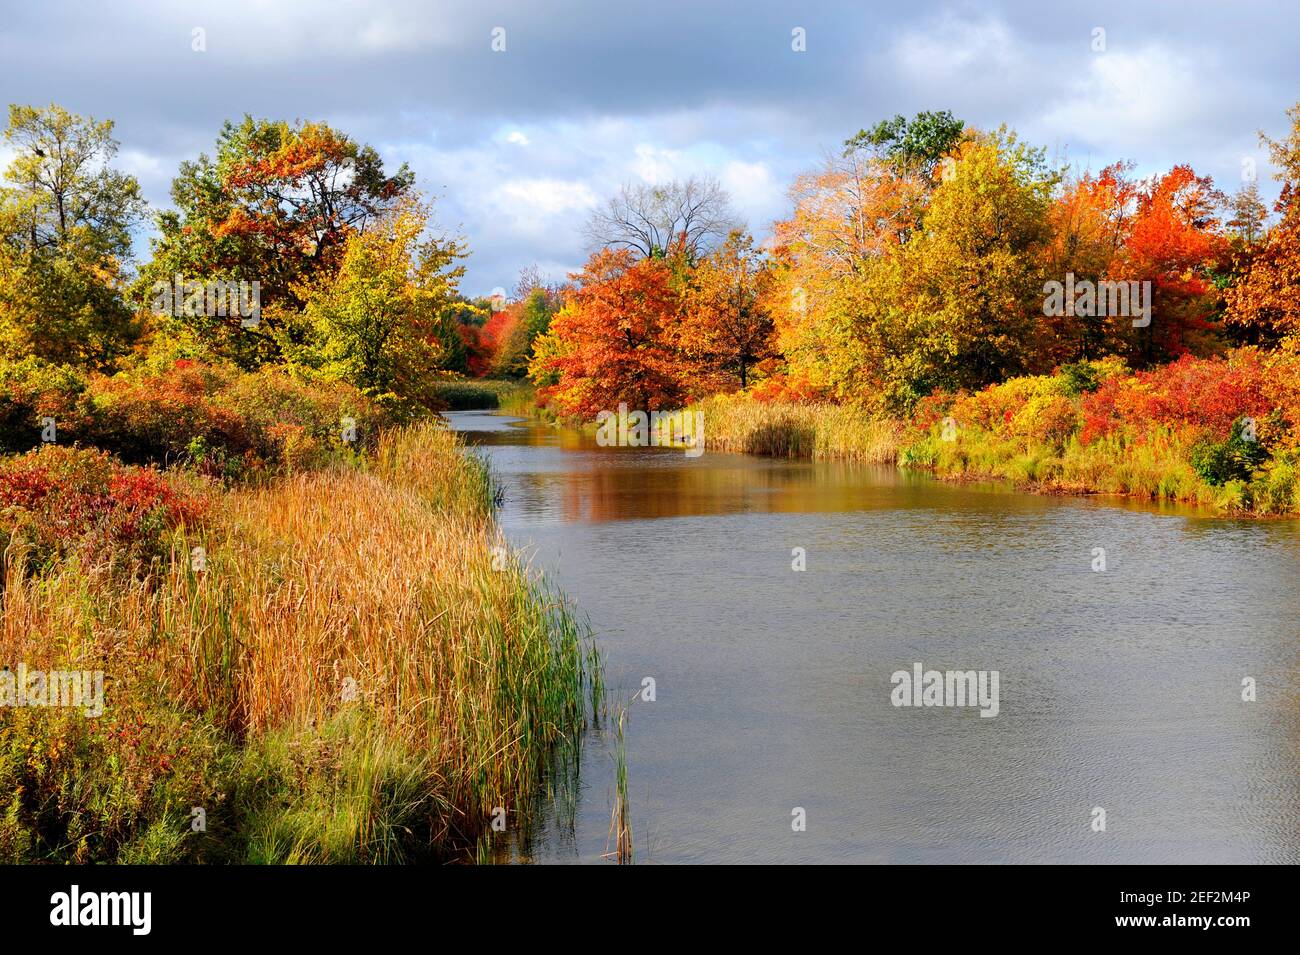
{"x": 916, "y": 144}
{"x": 378, "y": 322}
{"x": 65, "y": 228}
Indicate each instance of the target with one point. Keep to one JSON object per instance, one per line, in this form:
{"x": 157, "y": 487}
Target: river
{"x": 1119, "y": 689}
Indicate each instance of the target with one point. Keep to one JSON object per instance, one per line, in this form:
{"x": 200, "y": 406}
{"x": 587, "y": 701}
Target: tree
{"x": 276, "y": 206}
{"x": 915, "y": 145}
{"x": 727, "y": 324}
{"x": 63, "y": 186}
{"x": 1249, "y": 214}
{"x": 612, "y": 340}
{"x": 1263, "y": 306}
{"x": 65, "y": 227}
{"x": 649, "y": 220}
{"x": 377, "y": 323}
{"x": 957, "y": 307}
{"x": 1089, "y": 224}
{"x": 850, "y": 217}
{"x": 1175, "y": 244}
{"x": 527, "y": 320}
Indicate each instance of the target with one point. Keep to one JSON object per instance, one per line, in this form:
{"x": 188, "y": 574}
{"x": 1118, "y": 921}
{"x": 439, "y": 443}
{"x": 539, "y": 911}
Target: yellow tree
{"x": 960, "y": 306}
{"x": 726, "y": 326}
{"x": 378, "y": 322}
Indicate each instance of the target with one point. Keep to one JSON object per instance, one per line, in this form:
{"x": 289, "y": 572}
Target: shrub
{"x": 77, "y": 501}
{"x": 32, "y": 389}
{"x": 1236, "y": 459}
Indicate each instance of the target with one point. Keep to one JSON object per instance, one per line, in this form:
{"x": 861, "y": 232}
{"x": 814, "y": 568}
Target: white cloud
{"x": 1125, "y": 100}
{"x": 654, "y": 164}
{"x": 952, "y": 47}
{"x": 753, "y": 188}
{"x": 531, "y": 205}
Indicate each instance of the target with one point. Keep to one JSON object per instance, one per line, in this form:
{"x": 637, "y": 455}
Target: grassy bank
{"x": 351, "y": 673}
{"x": 472, "y": 394}
{"x": 737, "y": 423}
{"x": 1217, "y": 432}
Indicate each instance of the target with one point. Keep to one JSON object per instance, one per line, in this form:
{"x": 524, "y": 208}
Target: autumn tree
{"x": 648, "y": 220}
{"x": 65, "y": 230}
{"x": 1249, "y": 214}
{"x": 528, "y": 319}
{"x": 849, "y": 217}
{"x": 1263, "y": 306}
{"x": 276, "y": 204}
{"x": 726, "y": 325}
{"x": 1089, "y": 223}
{"x": 1174, "y": 242}
{"x": 379, "y": 321}
{"x": 612, "y": 340}
{"x": 833, "y": 256}
{"x": 958, "y": 306}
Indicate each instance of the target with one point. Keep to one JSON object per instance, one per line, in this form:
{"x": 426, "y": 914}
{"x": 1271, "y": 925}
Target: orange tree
{"x": 726, "y": 325}
{"x": 613, "y": 340}
{"x": 1175, "y": 243}
{"x": 276, "y": 206}
{"x": 1264, "y": 305}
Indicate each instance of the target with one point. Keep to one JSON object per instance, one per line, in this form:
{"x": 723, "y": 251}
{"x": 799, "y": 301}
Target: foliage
{"x": 1264, "y": 303}
{"x": 276, "y": 205}
{"x": 377, "y": 322}
{"x": 73, "y": 501}
{"x": 612, "y": 341}
{"x": 65, "y": 229}
{"x": 727, "y": 327}
{"x": 1236, "y": 459}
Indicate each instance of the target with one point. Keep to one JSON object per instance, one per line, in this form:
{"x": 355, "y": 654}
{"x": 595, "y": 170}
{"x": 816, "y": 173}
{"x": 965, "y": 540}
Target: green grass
{"x": 472, "y": 394}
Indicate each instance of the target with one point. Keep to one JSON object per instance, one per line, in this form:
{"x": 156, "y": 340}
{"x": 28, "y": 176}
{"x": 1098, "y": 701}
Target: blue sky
{"x": 516, "y": 146}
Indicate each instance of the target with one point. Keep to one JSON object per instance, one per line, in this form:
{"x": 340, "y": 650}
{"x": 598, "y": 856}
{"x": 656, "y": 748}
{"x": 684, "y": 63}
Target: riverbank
{"x": 1220, "y": 433}
{"x": 1214, "y": 432}
{"x": 340, "y": 665}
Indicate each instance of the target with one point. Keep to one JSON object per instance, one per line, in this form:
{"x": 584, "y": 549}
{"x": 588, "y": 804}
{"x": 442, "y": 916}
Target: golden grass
{"x": 383, "y": 596}
{"x": 740, "y": 424}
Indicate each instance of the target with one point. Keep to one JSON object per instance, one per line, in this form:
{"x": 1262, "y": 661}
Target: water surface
{"x": 1119, "y": 689}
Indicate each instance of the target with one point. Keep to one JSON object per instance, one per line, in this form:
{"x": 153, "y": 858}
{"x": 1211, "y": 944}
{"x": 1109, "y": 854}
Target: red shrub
{"x": 1205, "y": 393}
{"x": 75, "y": 500}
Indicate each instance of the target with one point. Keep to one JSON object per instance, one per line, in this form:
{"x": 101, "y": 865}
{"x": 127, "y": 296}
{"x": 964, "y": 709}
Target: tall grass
{"x": 378, "y": 672}
{"x": 470, "y": 394}
{"x": 620, "y": 823}
{"x": 785, "y": 429}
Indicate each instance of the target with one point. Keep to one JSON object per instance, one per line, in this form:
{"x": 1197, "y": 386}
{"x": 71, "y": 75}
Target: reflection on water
{"x": 1119, "y": 689}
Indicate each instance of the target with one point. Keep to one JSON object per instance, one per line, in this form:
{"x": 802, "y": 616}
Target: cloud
{"x": 517, "y": 145}
{"x": 533, "y": 204}
{"x": 1126, "y": 101}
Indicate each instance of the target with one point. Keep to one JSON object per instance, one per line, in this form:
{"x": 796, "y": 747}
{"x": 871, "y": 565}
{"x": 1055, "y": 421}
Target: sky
{"x": 517, "y": 145}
